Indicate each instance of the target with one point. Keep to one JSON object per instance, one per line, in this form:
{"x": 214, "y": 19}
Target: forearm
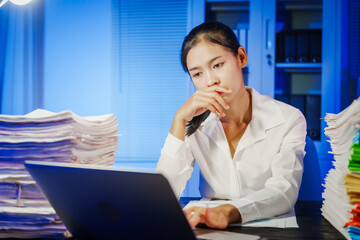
{"x": 178, "y": 128}
{"x": 176, "y": 163}
{"x": 278, "y": 197}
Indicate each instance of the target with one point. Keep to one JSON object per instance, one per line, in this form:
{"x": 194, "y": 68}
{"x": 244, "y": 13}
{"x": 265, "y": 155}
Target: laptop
{"x": 102, "y": 202}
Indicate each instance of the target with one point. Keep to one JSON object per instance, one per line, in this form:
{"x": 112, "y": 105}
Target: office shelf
{"x": 299, "y": 65}
{"x": 299, "y": 5}
{"x": 313, "y": 92}
{"x": 226, "y": 1}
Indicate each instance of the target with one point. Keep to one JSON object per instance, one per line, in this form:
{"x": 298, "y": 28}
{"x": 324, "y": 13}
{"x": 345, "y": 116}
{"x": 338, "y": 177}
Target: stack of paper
{"x": 342, "y": 184}
{"x": 45, "y": 136}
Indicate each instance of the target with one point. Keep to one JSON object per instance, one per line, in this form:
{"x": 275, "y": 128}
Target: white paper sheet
{"x": 287, "y": 220}
{"x": 204, "y": 233}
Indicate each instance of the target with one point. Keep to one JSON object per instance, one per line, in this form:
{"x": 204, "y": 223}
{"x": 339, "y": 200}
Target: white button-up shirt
{"x": 263, "y": 178}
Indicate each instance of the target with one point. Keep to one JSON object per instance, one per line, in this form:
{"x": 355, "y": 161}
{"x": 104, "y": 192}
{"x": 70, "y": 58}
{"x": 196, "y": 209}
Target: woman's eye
{"x": 197, "y": 75}
{"x": 218, "y": 65}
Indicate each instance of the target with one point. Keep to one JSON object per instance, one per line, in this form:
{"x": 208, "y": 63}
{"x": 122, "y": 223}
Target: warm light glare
{"x": 2, "y": 2}
{"x": 20, "y": 2}
{"x": 16, "y": 2}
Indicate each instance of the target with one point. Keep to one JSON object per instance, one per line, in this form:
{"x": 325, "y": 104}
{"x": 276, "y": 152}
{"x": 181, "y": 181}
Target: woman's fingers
{"x": 211, "y": 217}
{"x": 194, "y": 215}
{"x": 217, "y": 217}
{"x": 202, "y": 110}
{"x": 188, "y": 211}
{"x": 216, "y": 93}
{"x": 216, "y": 88}
{"x": 209, "y": 103}
{"x": 218, "y": 98}
{"x": 194, "y": 220}
{"x": 208, "y": 98}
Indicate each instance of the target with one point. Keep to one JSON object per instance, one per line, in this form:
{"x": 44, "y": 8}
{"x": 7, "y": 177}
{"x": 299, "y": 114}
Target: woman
{"x": 248, "y": 146}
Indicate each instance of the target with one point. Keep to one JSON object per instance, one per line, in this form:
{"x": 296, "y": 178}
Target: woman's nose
{"x": 213, "y": 80}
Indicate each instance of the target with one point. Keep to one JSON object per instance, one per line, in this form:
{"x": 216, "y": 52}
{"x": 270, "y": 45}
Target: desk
{"x": 312, "y": 225}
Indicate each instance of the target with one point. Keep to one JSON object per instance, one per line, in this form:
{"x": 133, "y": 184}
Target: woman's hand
{"x": 202, "y": 100}
{"x": 217, "y": 217}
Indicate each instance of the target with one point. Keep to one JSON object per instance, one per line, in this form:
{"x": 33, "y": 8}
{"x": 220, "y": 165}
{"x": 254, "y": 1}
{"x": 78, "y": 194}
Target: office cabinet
{"x": 298, "y": 59}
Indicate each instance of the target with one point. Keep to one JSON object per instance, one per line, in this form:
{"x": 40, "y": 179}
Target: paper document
{"x": 287, "y": 220}
{"x": 205, "y": 233}
{"x": 342, "y": 193}
{"x": 49, "y": 137}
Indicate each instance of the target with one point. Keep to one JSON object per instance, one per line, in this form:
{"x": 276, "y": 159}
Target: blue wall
{"x": 77, "y": 56}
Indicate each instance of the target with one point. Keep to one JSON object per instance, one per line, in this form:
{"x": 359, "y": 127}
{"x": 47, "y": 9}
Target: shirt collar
{"x": 266, "y": 114}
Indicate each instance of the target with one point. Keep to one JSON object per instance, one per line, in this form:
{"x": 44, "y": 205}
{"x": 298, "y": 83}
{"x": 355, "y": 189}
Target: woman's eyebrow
{"x": 211, "y": 60}
{"x": 194, "y": 68}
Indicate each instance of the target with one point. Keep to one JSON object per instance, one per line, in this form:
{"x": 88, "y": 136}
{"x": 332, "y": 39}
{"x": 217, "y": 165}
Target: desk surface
{"x": 312, "y": 225}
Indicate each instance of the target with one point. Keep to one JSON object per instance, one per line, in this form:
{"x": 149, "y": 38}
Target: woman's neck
{"x": 240, "y": 110}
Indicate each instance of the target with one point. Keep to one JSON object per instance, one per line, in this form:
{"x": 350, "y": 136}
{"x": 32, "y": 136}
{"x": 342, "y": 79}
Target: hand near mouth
{"x": 209, "y": 98}
{"x": 204, "y": 99}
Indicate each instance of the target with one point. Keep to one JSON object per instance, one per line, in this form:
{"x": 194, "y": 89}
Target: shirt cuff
{"x": 173, "y": 146}
{"x": 247, "y": 210}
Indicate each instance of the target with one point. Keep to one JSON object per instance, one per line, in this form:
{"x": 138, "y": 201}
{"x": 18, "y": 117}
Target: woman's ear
{"x": 242, "y": 56}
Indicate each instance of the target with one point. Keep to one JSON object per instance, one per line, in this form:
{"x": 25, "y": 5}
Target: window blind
{"x": 149, "y": 84}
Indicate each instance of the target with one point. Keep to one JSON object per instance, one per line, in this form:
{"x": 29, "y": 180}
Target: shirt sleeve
{"x": 176, "y": 163}
{"x": 281, "y": 190}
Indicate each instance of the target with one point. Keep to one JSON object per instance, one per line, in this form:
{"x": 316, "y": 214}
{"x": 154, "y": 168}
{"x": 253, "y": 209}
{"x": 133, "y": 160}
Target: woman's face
{"x": 211, "y": 64}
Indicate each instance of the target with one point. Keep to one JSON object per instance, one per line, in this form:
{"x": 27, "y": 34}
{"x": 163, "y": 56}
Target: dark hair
{"x": 214, "y": 32}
